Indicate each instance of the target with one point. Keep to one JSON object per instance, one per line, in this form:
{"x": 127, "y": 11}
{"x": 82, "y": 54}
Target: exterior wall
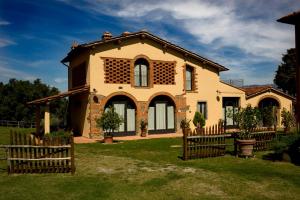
{"x": 207, "y": 81}
{"x": 283, "y": 102}
{"x": 226, "y": 90}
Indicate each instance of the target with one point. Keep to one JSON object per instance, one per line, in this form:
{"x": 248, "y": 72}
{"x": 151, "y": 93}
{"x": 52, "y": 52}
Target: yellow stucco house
{"x": 146, "y": 77}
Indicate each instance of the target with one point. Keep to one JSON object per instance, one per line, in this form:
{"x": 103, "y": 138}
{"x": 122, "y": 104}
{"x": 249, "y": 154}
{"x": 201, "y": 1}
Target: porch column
{"x": 37, "y": 120}
{"x": 47, "y": 119}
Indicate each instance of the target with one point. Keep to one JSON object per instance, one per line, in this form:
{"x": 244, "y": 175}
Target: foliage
{"x": 16, "y": 93}
{"x": 109, "y": 121}
{"x": 285, "y": 77}
{"x": 185, "y": 123}
{"x": 288, "y": 119}
{"x": 60, "y": 133}
{"x": 248, "y": 119}
{"x": 268, "y": 116}
{"x": 143, "y": 124}
{"x": 199, "y": 120}
{"x": 289, "y": 144}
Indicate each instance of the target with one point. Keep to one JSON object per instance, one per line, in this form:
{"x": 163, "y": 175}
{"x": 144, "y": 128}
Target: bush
{"x": 248, "y": 119}
{"x": 288, "y": 119}
{"x": 184, "y": 124}
{"x": 199, "y": 120}
{"x": 268, "y": 116}
{"x": 109, "y": 121}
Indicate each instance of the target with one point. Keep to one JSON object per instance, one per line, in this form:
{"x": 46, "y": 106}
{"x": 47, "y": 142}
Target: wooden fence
{"x": 19, "y": 124}
{"x": 28, "y": 154}
{"x": 202, "y": 143}
{"x": 263, "y": 140}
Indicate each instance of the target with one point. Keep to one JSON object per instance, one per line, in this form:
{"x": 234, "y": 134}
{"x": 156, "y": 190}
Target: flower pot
{"x": 246, "y": 147}
{"x": 143, "y": 133}
{"x": 108, "y": 139}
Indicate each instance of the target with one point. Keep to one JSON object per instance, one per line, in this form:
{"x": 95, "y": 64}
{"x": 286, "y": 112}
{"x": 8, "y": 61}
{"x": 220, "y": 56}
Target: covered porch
{"x": 46, "y": 101}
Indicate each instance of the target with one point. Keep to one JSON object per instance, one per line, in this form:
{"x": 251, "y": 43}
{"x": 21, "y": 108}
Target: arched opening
{"x": 141, "y": 72}
{"x": 126, "y": 108}
{"x": 230, "y": 108}
{"x": 161, "y": 115}
{"x": 273, "y": 106}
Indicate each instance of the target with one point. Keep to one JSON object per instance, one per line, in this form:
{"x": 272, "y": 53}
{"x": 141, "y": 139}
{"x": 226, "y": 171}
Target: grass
{"x": 151, "y": 169}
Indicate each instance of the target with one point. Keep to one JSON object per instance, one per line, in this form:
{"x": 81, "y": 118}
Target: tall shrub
{"x": 268, "y": 116}
{"x": 109, "y": 121}
{"x": 288, "y": 119}
{"x": 199, "y": 120}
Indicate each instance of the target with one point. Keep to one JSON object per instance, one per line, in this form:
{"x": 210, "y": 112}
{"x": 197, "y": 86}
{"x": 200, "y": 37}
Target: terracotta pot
{"x": 144, "y": 133}
{"x": 108, "y": 139}
{"x": 246, "y": 147}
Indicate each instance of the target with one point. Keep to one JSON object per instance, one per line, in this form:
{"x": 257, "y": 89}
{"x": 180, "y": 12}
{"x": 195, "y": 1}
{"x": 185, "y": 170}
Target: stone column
{"x": 47, "y": 119}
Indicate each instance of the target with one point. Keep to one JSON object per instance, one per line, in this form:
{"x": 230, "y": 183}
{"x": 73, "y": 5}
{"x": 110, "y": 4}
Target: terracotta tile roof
{"x": 77, "y": 49}
{"x": 256, "y": 89}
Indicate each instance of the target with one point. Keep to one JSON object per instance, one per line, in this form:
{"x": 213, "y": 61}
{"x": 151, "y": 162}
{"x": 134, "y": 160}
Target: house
{"x": 146, "y": 77}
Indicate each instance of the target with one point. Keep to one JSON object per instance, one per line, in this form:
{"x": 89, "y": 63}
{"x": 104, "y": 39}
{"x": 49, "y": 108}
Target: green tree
{"x": 199, "y": 120}
{"x": 16, "y": 93}
{"x": 285, "y": 77}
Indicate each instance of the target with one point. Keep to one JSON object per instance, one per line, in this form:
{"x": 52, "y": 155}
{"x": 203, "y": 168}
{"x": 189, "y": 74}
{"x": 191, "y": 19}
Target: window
{"x": 161, "y": 115}
{"x": 189, "y": 78}
{"x": 202, "y": 108}
{"x": 141, "y": 73}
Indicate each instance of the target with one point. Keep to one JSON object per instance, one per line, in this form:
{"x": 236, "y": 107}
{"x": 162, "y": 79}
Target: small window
{"x": 189, "y": 78}
{"x": 141, "y": 67}
{"x": 202, "y": 108}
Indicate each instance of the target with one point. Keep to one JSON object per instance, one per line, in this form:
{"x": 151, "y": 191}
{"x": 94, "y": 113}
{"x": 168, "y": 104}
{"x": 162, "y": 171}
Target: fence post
{"x": 72, "y": 156}
{"x": 184, "y": 143}
{"x": 235, "y": 143}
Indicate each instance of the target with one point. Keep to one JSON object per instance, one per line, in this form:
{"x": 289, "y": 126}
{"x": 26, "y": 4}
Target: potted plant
{"x": 288, "y": 120}
{"x": 199, "y": 121}
{"x": 185, "y": 124}
{"x": 248, "y": 119}
{"x": 143, "y": 126}
{"x": 109, "y": 121}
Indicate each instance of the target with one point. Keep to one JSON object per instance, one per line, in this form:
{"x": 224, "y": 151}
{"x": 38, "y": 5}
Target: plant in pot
{"x": 143, "y": 126}
{"x": 288, "y": 120}
{"x": 109, "y": 121}
{"x": 185, "y": 124}
{"x": 198, "y": 121}
{"x": 248, "y": 119}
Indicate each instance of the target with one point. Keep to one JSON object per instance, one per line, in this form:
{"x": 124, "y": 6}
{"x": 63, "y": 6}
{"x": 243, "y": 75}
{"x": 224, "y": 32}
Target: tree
{"x": 16, "y": 93}
{"x": 199, "y": 120}
{"x": 285, "y": 77}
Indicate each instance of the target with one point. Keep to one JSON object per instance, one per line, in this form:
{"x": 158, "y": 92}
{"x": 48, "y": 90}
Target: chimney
{"x": 106, "y": 35}
{"x": 126, "y": 33}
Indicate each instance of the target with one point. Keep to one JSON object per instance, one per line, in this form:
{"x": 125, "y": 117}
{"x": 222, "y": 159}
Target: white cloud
{"x": 4, "y": 23}
{"x": 6, "y": 42}
{"x": 8, "y": 73}
{"x": 60, "y": 80}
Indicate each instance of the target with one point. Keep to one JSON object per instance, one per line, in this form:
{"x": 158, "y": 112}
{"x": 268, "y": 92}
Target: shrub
{"x": 185, "y": 123}
{"x": 248, "y": 119}
{"x": 199, "y": 120}
{"x": 288, "y": 119}
{"x": 268, "y": 116}
{"x": 109, "y": 121}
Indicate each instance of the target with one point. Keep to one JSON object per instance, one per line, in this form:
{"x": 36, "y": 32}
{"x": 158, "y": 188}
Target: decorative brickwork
{"x": 117, "y": 70}
{"x": 163, "y": 73}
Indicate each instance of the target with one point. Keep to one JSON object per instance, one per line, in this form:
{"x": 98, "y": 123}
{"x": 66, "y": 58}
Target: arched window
{"x": 141, "y": 68}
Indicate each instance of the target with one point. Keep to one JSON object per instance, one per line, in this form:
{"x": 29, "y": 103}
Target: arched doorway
{"x": 126, "y": 108}
{"x": 273, "y": 106}
{"x": 161, "y": 115}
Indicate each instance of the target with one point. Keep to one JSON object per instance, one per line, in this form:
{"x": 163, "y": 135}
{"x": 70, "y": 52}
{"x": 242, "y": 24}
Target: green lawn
{"x": 151, "y": 169}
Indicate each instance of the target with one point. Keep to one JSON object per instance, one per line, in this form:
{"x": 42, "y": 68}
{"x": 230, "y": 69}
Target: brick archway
{"x": 107, "y": 98}
{"x": 162, "y": 94}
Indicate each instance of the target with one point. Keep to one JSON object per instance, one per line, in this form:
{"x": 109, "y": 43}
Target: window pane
{"x": 170, "y": 110}
{"x": 120, "y": 109}
{"x": 144, "y": 75}
{"x": 201, "y": 107}
{"x": 151, "y": 118}
{"x": 188, "y": 81}
{"x": 130, "y": 119}
{"x": 137, "y": 75}
{"x": 160, "y": 116}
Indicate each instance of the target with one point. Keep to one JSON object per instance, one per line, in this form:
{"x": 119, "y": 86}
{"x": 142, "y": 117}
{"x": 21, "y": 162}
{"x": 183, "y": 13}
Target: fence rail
{"x": 19, "y": 124}
{"x": 28, "y": 154}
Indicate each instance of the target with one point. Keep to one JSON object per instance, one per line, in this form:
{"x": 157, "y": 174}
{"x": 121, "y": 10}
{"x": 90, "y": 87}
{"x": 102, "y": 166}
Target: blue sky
{"x": 242, "y": 35}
